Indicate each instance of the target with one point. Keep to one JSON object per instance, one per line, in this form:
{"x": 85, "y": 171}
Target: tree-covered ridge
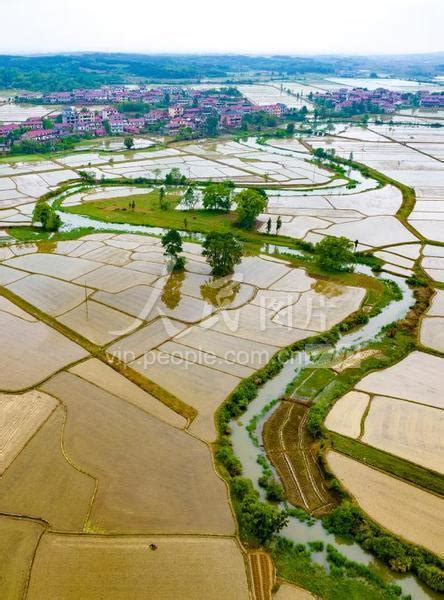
{"x": 64, "y": 72}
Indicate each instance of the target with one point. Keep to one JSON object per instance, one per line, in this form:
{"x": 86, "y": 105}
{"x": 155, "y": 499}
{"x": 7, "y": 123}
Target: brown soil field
{"x": 103, "y": 376}
{"x": 411, "y": 431}
{"x": 25, "y": 365}
{"x": 419, "y": 518}
{"x": 18, "y": 541}
{"x": 262, "y": 573}
{"x": 20, "y": 417}
{"x": 289, "y": 447}
{"x": 152, "y": 477}
{"x": 287, "y": 591}
{"x": 345, "y": 416}
{"x": 110, "y": 568}
{"x": 40, "y": 483}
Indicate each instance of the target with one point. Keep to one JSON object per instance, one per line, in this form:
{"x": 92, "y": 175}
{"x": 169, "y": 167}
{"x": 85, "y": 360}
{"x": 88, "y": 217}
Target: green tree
{"x": 260, "y": 520}
{"x": 335, "y": 254}
{"x": 222, "y": 251}
{"x": 211, "y": 127}
{"x": 87, "y": 176}
{"x": 190, "y": 198}
{"x": 46, "y": 215}
{"x": 163, "y": 202}
{"x": 175, "y": 177}
{"x": 218, "y": 196}
{"x": 250, "y": 203}
{"x": 172, "y": 244}
{"x": 129, "y": 142}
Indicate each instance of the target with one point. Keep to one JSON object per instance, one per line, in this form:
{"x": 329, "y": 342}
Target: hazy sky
{"x": 282, "y": 26}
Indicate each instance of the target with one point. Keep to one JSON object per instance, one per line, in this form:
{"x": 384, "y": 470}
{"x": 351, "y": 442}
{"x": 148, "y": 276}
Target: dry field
{"x": 189, "y": 568}
{"x": 20, "y": 417}
{"x": 419, "y": 518}
{"x": 18, "y": 541}
{"x": 346, "y": 415}
{"x": 406, "y": 429}
{"x": 152, "y": 477}
{"x": 287, "y": 591}
{"x": 42, "y": 484}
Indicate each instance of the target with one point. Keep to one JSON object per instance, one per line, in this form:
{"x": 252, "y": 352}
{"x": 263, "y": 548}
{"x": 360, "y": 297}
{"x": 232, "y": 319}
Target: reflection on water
{"x": 220, "y": 292}
{"x": 171, "y": 293}
{"x": 46, "y": 246}
{"x": 328, "y": 288}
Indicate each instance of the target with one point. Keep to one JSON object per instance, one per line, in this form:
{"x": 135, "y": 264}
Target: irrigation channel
{"x": 244, "y": 447}
{"x": 248, "y": 452}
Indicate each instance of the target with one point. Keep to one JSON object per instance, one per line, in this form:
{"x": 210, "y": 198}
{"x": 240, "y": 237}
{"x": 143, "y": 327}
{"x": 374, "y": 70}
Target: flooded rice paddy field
{"x": 110, "y": 296}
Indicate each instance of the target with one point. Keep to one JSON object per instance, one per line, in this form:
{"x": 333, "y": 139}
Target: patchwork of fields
{"x": 115, "y": 367}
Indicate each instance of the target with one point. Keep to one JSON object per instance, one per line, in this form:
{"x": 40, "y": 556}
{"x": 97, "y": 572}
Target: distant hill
{"x": 68, "y": 71}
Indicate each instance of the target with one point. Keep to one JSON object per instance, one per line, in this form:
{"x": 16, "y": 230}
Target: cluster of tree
{"x": 66, "y": 72}
{"x": 134, "y": 107}
{"x": 128, "y": 142}
{"x": 223, "y": 251}
{"x": 34, "y": 147}
{"x": 258, "y": 521}
{"x": 46, "y": 215}
{"x": 175, "y": 177}
{"x": 249, "y": 204}
{"x": 185, "y": 133}
{"x": 325, "y": 108}
{"x": 218, "y": 196}
{"x": 228, "y": 91}
{"x": 348, "y": 521}
{"x": 257, "y": 120}
{"x": 335, "y": 253}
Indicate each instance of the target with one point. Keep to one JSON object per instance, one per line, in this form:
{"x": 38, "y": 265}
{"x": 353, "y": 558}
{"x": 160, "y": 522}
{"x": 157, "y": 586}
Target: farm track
{"x": 262, "y": 574}
{"x": 289, "y": 448}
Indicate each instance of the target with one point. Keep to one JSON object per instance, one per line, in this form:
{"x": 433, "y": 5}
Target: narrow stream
{"x": 243, "y": 445}
{"x": 247, "y": 452}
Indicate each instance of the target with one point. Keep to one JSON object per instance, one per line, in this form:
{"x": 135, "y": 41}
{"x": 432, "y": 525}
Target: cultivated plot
{"x": 202, "y": 568}
{"x": 419, "y": 518}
